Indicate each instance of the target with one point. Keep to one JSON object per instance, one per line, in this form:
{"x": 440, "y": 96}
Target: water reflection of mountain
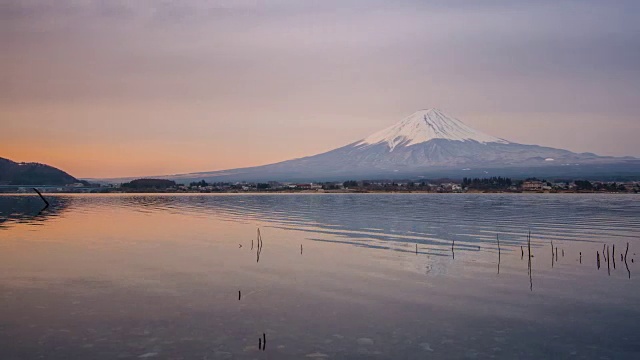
{"x": 397, "y": 220}
{"x": 30, "y": 209}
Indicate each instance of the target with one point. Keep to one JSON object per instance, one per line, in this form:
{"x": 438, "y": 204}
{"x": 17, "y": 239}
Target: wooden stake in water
{"x": 453, "y": 254}
{"x": 259, "y": 249}
{"x": 625, "y": 261}
{"x": 608, "y": 267}
{"x": 46, "y": 203}
{"x": 613, "y": 255}
{"x": 626, "y": 252}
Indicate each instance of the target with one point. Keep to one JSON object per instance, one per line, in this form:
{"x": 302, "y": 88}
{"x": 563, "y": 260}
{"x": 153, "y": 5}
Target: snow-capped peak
{"x": 425, "y": 125}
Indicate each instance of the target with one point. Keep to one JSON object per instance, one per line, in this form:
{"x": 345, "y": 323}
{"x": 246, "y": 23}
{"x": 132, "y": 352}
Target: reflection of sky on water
{"x": 126, "y": 276}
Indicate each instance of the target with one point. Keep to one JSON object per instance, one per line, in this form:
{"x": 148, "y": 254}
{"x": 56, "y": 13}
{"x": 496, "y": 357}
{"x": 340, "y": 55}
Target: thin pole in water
{"x": 626, "y": 252}
{"x": 453, "y": 254}
{"x": 43, "y": 199}
{"x": 613, "y": 255}
{"x": 608, "y": 267}
{"x": 625, "y": 261}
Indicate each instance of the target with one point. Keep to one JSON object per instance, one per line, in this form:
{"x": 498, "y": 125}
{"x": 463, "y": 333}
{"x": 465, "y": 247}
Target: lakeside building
{"x": 533, "y": 185}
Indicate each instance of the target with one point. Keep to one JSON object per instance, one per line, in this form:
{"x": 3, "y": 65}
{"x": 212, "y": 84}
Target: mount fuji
{"x": 430, "y": 143}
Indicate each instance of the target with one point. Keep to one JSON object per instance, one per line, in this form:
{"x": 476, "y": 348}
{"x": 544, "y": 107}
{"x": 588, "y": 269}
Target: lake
{"x": 343, "y": 276}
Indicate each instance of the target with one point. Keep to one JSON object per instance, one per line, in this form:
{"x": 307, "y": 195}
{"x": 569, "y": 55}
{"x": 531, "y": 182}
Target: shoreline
{"x": 311, "y": 192}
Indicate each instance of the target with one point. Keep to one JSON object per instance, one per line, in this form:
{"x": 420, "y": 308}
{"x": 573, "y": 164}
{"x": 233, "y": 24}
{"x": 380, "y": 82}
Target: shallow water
{"x": 338, "y": 276}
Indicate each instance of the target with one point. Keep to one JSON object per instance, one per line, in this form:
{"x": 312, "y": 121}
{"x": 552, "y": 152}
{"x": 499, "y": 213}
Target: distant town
{"x": 467, "y": 185}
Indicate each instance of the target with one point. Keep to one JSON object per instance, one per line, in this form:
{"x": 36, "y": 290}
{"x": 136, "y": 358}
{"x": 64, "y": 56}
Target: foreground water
{"x": 337, "y": 276}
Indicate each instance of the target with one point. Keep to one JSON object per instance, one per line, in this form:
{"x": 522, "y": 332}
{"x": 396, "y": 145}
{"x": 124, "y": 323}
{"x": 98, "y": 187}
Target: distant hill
{"x": 13, "y": 173}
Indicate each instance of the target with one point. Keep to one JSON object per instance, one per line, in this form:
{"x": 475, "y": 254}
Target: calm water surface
{"x": 337, "y": 276}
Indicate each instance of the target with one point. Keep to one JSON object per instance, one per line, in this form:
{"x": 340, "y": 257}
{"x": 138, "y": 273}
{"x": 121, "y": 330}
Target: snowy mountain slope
{"x": 426, "y": 125}
{"x": 427, "y": 143}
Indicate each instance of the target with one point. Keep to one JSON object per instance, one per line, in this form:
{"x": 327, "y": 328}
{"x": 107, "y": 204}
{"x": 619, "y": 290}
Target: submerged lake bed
{"x": 344, "y": 276}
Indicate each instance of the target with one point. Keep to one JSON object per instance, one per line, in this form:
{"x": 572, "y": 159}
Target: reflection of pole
{"x": 498, "y": 240}
{"x": 530, "y": 269}
{"x": 43, "y": 199}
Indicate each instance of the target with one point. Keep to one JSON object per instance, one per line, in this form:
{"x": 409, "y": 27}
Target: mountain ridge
{"x": 426, "y": 143}
{"x": 20, "y": 173}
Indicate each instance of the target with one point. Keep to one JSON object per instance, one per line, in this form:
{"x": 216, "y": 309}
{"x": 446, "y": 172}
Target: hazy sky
{"x": 127, "y": 88}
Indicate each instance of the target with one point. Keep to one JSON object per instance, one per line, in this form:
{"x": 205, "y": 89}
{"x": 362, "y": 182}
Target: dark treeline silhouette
{"x": 148, "y": 184}
{"x": 199, "y": 183}
{"x": 492, "y": 183}
{"x": 583, "y": 185}
{"x": 350, "y": 184}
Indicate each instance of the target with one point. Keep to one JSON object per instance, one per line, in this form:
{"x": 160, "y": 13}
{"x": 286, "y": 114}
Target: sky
{"x": 137, "y": 88}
